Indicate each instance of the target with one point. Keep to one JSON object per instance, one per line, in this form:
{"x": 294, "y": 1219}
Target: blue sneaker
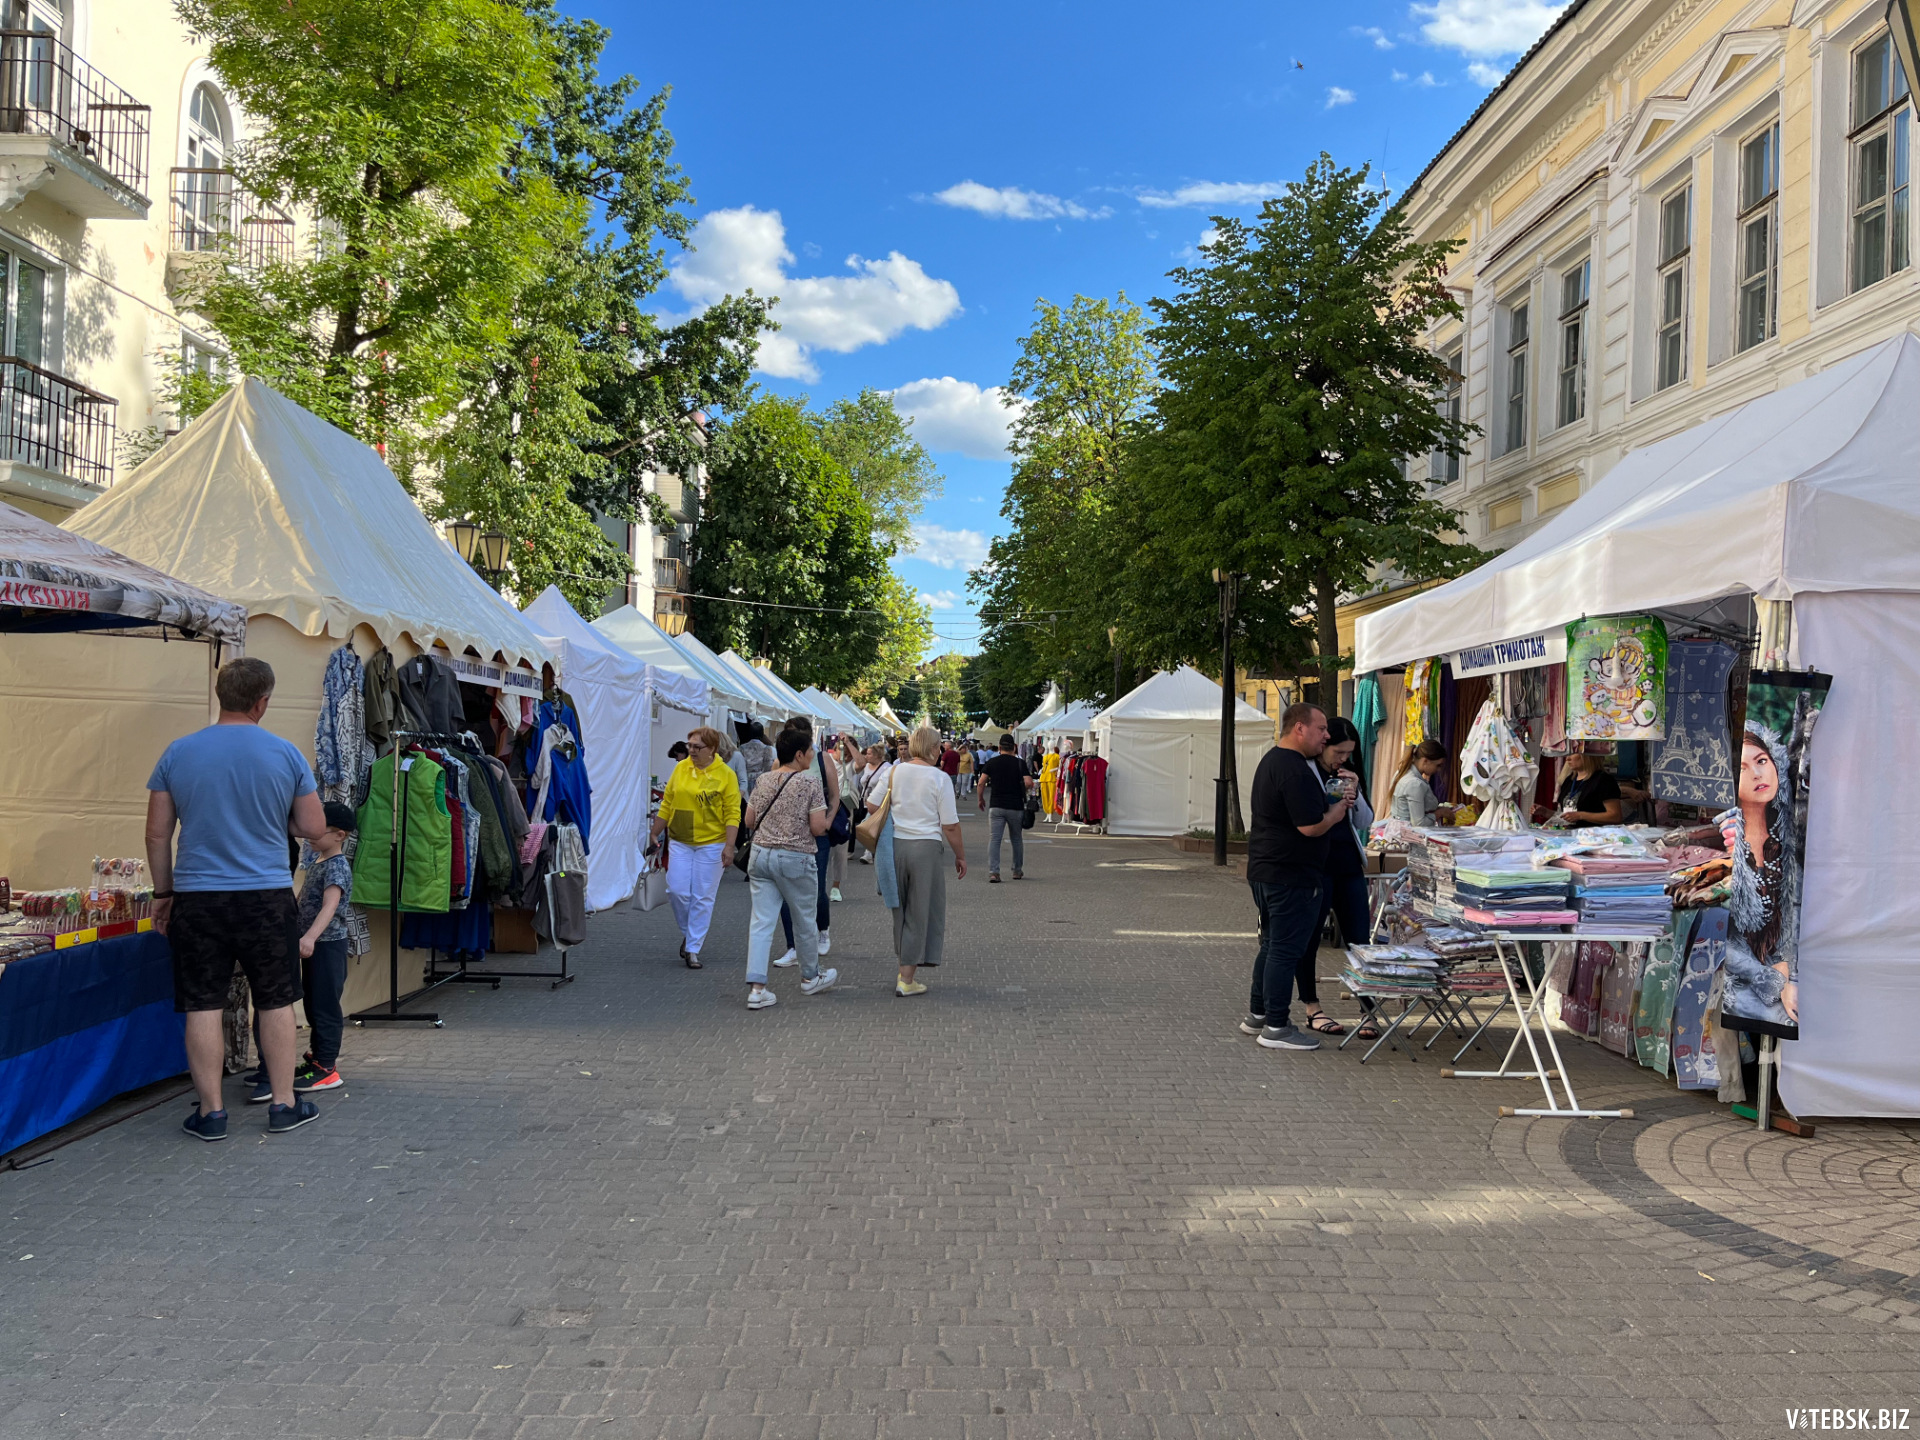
{"x": 282, "y": 1118}
{"x": 205, "y": 1127}
{"x": 260, "y": 1091}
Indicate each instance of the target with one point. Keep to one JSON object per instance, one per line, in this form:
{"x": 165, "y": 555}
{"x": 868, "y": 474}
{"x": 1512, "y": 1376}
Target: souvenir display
{"x": 1617, "y": 678}
{"x": 1495, "y": 767}
{"x": 1693, "y": 765}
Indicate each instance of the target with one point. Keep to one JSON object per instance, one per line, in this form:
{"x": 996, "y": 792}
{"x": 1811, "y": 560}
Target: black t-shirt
{"x": 1287, "y": 794}
{"x": 1591, "y": 794}
{"x": 1006, "y": 781}
{"x": 1344, "y": 856}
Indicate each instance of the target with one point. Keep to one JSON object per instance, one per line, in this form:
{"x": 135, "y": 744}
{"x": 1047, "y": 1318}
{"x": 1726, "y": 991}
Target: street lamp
{"x": 465, "y": 536}
{"x": 493, "y": 545}
{"x": 1228, "y": 584}
{"x": 484, "y": 551}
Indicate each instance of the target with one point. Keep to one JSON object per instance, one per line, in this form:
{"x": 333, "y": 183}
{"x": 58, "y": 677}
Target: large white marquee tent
{"x": 1810, "y": 494}
{"x": 1162, "y": 741}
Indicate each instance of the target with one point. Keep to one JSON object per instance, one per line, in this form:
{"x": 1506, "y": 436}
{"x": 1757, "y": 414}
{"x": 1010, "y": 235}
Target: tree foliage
{"x": 783, "y": 526}
{"x": 906, "y": 630}
{"x": 892, "y": 471}
{"x": 1297, "y": 380}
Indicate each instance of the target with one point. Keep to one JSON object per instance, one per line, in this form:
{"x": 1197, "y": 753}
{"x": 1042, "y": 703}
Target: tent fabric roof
{"x": 45, "y": 568}
{"x": 1809, "y": 489}
{"x": 1077, "y": 719}
{"x": 791, "y": 696}
{"x": 883, "y": 712}
{"x": 756, "y": 687}
{"x": 1181, "y": 696}
{"x": 267, "y": 505}
{"x": 819, "y": 703}
{"x": 691, "y": 646}
{"x": 582, "y": 647}
{"x": 633, "y": 632}
{"x": 1049, "y": 705}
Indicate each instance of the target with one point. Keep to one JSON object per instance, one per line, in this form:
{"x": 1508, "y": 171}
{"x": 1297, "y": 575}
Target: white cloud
{"x": 1424, "y": 79}
{"x": 1010, "y": 202}
{"x": 1338, "y": 95}
{"x": 747, "y": 248}
{"x": 1486, "y": 28}
{"x": 949, "y": 549}
{"x": 944, "y": 600}
{"x": 957, "y": 415}
{"x": 1211, "y": 192}
{"x": 1192, "y": 254}
{"x": 1483, "y": 74}
{"x": 1375, "y": 34}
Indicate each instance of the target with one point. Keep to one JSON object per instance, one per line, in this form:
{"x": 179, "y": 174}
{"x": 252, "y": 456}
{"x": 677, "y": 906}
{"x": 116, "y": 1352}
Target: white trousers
{"x": 693, "y": 879}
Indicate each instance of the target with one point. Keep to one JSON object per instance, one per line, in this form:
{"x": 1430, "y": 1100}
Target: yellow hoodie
{"x": 699, "y": 805}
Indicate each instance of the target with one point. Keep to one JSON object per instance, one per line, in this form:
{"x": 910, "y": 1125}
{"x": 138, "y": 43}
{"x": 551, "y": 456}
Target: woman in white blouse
{"x": 925, "y": 822}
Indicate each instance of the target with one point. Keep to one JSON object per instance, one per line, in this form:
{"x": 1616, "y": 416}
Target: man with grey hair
{"x": 235, "y": 791}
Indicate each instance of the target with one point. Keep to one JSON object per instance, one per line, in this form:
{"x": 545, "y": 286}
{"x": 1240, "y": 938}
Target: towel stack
{"x": 1619, "y": 894}
{"x": 1390, "y": 969}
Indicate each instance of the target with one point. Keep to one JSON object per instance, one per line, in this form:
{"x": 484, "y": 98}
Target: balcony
{"x": 69, "y": 132}
{"x": 56, "y": 436}
{"x": 669, "y": 576}
{"x": 210, "y": 214}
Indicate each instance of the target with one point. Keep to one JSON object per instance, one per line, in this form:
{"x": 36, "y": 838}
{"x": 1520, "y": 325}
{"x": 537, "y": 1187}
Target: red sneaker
{"x": 316, "y": 1077}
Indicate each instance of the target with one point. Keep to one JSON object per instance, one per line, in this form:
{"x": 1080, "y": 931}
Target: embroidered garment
{"x": 1694, "y": 764}
{"x": 341, "y": 758}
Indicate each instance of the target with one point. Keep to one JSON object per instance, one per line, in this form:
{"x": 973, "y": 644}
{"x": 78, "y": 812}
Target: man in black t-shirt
{"x": 1004, "y": 783}
{"x": 1286, "y": 859}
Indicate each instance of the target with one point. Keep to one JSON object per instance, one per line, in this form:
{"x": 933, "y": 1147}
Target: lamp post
{"x": 1113, "y": 639}
{"x": 1228, "y": 584}
{"x": 485, "y": 551}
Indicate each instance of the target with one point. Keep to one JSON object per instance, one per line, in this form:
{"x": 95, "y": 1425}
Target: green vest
{"x": 426, "y": 869}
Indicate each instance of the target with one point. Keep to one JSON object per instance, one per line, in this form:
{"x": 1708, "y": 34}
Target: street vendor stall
{"x": 266, "y": 505}
{"x": 97, "y": 677}
{"x": 1162, "y": 740}
{"x": 1787, "y": 531}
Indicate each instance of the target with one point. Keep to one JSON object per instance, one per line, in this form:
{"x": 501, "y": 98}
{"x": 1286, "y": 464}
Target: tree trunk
{"x": 1327, "y": 640}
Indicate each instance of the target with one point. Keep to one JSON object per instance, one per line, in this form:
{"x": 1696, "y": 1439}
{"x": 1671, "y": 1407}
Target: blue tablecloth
{"x": 80, "y": 1026}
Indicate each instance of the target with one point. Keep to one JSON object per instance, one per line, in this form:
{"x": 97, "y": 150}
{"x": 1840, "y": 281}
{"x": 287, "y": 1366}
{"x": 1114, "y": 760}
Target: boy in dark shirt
{"x": 1286, "y": 863}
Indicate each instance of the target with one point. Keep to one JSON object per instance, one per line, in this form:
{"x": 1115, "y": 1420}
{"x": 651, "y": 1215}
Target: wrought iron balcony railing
{"x": 670, "y": 575}
{"x": 209, "y": 211}
{"x": 46, "y": 89}
{"x": 55, "y": 424}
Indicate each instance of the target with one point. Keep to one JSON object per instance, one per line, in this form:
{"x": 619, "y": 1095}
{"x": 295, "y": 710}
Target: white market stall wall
{"x": 1160, "y": 773}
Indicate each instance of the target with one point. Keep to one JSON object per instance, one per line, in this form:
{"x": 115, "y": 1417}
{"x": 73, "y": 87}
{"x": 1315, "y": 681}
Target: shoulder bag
{"x": 743, "y": 837}
{"x": 1028, "y": 815}
{"x": 867, "y": 832}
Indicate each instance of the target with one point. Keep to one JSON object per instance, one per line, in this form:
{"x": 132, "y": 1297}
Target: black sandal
{"x": 693, "y": 961}
{"x": 1330, "y": 1027}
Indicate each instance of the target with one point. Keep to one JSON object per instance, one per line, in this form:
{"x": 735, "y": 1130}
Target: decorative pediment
{"x": 1733, "y": 56}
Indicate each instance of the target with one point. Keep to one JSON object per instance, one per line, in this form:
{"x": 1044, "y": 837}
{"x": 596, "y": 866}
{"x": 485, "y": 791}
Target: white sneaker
{"x": 786, "y": 960}
{"x": 834, "y": 894}
{"x": 761, "y": 999}
{"x": 826, "y": 942}
{"x": 823, "y": 981}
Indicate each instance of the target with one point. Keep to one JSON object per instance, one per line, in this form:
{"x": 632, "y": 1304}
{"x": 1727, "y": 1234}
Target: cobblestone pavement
{"x": 1058, "y": 1196}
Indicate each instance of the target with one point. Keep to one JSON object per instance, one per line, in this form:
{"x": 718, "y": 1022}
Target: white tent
{"x": 1162, "y": 742}
{"x": 1073, "y": 722}
{"x": 1810, "y": 494}
{"x": 767, "y": 704}
{"x": 617, "y": 693}
{"x": 1049, "y": 706}
{"x": 868, "y": 721}
{"x": 839, "y": 717}
{"x": 883, "y": 712}
{"x": 990, "y": 733}
{"x": 637, "y": 635}
{"x": 801, "y": 705}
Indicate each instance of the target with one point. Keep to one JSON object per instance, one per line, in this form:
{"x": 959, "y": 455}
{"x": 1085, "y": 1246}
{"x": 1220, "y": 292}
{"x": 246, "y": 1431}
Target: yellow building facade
{"x": 115, "y": 143}
{"x": 1665, "y": 211}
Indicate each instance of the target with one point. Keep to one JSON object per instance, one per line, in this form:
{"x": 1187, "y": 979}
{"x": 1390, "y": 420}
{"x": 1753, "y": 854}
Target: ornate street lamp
{"x": 465, "y": 536}
{"x": 485, "y": 551}
{"x": 493, "y": 545}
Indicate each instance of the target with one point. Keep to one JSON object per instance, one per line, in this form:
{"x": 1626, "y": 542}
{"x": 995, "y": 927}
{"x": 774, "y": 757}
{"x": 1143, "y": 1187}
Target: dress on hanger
{"x": 1049, "y": 780}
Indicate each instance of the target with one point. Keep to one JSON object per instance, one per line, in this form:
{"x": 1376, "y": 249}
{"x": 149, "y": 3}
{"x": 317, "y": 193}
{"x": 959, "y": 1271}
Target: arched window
{"x": 203, "y": 190}
{"x": 206, "y": 130}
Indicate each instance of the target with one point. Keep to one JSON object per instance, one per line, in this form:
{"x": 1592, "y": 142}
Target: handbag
{"x": 743, "y": 837}
{"x": 1032, "y": 809}
{"x": 868, "y": 830}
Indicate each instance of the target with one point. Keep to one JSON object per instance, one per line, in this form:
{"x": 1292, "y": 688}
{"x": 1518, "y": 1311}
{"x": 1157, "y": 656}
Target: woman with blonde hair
{"x": 700, "y": 814}
{"x": 924, "y": 821}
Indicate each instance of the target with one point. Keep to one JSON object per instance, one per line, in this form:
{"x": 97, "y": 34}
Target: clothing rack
{"x": 464, "y": 975}
{"x": 396, "y": 855}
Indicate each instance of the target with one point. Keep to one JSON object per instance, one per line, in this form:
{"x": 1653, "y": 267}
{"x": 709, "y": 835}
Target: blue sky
{"x": 911, "y": 178}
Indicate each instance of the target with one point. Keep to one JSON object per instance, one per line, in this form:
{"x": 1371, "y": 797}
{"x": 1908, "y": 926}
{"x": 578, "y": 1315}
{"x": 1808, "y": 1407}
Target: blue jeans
{"x": 1345, "y": 897}
{"x": 822, "y": 911}
{"x": 996, "y": 818}
{"x": 777, "y": 876}
{"x": 1290, "y": 917}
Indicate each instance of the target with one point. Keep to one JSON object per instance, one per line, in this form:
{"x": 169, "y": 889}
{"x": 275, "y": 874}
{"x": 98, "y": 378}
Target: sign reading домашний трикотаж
{"x": 1522, "y": 653}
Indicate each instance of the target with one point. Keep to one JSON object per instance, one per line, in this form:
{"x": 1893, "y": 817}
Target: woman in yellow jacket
{"x": 700, "y": 813}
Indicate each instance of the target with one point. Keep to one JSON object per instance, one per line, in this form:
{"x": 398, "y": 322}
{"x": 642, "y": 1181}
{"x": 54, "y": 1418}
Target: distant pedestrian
{"x": 700, "y": 815}
{"x": 735, "y": 761}
{"x": 788, "y": 814}
{"x": 758, "y": 754}
{"x": 923, "y": 817}
{"x": 845, "y": 759}
{"x": 677, "y": 751}
{"x": 1286, "y": 864}
{"x": 873, "y": 786}
{"x": 235, "y": 791}
{"x": 1005, "y": 782}
{"x": 965, "y": 776}
{"x": 949, "y": 763}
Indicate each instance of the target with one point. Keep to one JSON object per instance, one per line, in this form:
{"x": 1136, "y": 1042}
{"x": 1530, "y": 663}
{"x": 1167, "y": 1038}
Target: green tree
{"x": 391, "y": 126}
{"x": 906, "y": 629}
{"x": 1084, "y": 380}
{"x": 782, "y": 524}
{"x": 940, "y": 692}
{"x": 892, "y": 471}
{"x": 1297, "y": 380}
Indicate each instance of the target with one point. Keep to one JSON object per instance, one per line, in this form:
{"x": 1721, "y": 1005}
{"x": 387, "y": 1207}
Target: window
{"x": 1670, "y": 340}
{"x": 1517, "y": 377}
{"x": 1879, "y": 244}
{"x": 27, "y": 299}
{"x": 1759, "y": 237}
{"x": 1573, "y": 342}
{"x": 1443, "y": 467}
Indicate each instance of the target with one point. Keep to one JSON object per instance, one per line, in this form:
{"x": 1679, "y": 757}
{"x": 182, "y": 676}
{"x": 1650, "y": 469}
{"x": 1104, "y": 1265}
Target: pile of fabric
{"x": 1471, "y": 965}
{"x": 1392, "y": 969}
{"x": 1618, "y": 894}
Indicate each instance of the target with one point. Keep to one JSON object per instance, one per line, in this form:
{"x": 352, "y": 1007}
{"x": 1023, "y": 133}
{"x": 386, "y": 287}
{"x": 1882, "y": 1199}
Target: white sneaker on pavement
{"x": 790, "y": 958}
{"x": 761, "y": 999}
{"x": 823, "y": 981}
{"x": 826, "y": 942}
{"x": 834, "y": 894}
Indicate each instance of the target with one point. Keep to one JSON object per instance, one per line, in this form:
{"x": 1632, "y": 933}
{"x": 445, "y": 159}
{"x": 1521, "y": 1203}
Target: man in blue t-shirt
{"x": 236, "y": 792}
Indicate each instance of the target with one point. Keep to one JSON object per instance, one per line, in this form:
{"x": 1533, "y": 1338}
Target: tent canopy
{"x": 990, "y": 733}
{"x": 1178, "y": 696}
{"x": 1809, "y": 489}
{"x": 836, "y": 713}
{"x": 265, "y": 504}
{"x": 1076, "y": 719}
{"x": 883, "y": 712}
{"x": 639, "y": 636}
{"x": 786, "y": 692}
{"x": 61, "y": 581}
{"x": 1050, "y": 705}
{"x": 766, "y": 701}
